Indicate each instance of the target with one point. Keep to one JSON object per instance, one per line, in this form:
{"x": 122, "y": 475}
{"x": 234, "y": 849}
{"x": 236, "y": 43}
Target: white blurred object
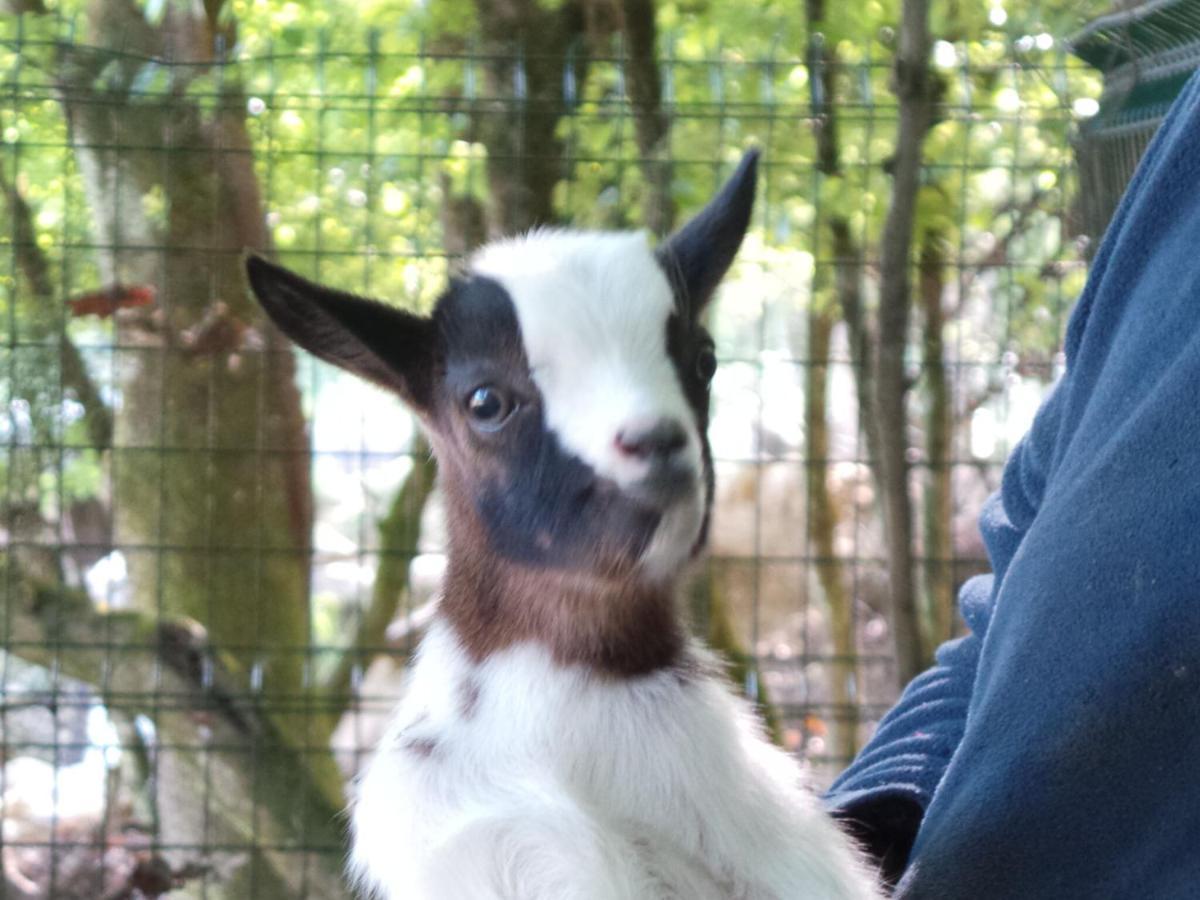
{"x": 39, "y": 794}
{"x": 107, "y": 582}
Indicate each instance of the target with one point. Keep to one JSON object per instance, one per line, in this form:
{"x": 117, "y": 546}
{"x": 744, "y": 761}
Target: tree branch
{"x": 399, "y": 532}
{"x": 170, "y": 672}
{"x": 998, "y": 255}
{"x": 847, "y": 256}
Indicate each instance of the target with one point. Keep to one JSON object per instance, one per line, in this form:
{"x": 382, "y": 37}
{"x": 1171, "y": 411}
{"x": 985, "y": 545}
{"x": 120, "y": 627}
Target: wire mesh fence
{"x": 218, "y": 553}
{"x": 1146, "y": 53}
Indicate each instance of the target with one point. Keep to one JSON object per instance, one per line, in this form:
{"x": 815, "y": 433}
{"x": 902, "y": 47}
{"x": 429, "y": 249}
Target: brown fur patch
{"x": 615, "y": 624}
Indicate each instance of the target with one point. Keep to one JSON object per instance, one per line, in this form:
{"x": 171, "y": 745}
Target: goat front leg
{"x": 769, "y": 834}
{"x": 545, "y": 851}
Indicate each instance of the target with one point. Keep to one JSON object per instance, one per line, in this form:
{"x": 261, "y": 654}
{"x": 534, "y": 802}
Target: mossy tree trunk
{"x": 938, "y": 615}
{"x": 210, "y": 457}
{"x": 211, "y": 467}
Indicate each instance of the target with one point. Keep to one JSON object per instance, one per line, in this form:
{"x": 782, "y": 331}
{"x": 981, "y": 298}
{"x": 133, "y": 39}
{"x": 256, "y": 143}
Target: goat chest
{"x": 518, "y": 778}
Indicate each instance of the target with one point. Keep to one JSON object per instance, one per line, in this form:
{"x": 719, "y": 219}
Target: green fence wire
{"x": 1146, "y": 53}
{"x": 217, "y": 553}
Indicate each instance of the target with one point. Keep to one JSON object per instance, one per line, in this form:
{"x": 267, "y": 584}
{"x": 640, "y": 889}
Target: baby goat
{"x": 562, "y": 738}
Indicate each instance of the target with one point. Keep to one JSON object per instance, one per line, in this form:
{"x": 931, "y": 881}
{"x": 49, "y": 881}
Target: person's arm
{"x": 882, "y": 796}
{"x": 1066, "y": 721}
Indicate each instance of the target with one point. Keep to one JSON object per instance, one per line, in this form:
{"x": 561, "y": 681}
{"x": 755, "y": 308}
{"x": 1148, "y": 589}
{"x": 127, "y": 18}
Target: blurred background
{"x": 217, "y": 553}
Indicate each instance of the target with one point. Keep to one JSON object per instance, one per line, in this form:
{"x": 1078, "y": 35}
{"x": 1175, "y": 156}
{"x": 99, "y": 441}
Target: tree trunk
{"x": 939, "y": 423}
{"x": 823, "y": 519}
{"x": 212, "y": 479}
{"x": 210, "y": 466}
{"x": 651, "y": 126}
{"x": 526, "y": 49}
{"x": 847, "y": 282}
{"x": 233, "y": 797}
{"x": 912, "y": 84}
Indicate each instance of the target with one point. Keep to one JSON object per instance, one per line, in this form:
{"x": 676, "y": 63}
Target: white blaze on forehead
{"x": 593, "y": 310}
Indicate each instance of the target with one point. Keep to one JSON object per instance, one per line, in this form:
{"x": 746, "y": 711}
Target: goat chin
{"x": 519, "y": 779}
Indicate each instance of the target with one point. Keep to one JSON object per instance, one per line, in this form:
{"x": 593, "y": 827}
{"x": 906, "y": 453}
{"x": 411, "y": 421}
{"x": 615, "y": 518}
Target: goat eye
{"x": 488, "y": 406}
{"x": 706, "y": 364}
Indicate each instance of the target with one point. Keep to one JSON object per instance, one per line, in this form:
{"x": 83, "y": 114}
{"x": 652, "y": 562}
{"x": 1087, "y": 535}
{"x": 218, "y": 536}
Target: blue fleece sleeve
{"x": 883, "y": 794}
{"x": 1071, "y": 712}
{"x": 1074, "y": 774}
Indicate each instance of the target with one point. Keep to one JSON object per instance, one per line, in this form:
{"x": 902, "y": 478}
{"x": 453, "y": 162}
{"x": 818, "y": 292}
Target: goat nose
{"x": 661, "y": 440}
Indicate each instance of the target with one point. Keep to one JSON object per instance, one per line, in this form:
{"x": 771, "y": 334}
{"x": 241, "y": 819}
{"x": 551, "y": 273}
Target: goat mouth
{"x": 663, "y": 487}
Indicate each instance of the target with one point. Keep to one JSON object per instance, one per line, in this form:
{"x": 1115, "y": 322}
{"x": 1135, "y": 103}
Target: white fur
{"x": 593, "y": 309}
{"x": 558, "y": 784}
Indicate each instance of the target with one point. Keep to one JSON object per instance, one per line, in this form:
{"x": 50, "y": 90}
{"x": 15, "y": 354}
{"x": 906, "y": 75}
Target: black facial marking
{"x": 554, "y": 511}
{"x": 687, "y": 341}
{"x": 706, "y": 363}
{"x": 541, "y": 505}
{"x": 695, "y": 259}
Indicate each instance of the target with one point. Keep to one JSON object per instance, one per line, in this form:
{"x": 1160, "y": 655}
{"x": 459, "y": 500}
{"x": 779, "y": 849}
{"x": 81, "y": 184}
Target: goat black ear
{"x": 697, "y": 256}
{"x": 388, "y": 346}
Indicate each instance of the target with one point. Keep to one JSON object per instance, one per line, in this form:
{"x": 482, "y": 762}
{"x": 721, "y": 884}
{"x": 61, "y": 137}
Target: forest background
{"x": 217, "y": 552}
